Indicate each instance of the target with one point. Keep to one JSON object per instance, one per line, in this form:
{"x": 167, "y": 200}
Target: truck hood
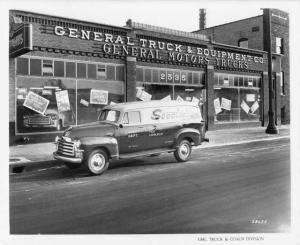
{"x": 95, "y": 129}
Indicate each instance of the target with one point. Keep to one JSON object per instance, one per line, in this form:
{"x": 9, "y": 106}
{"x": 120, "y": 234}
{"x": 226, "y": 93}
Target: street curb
{"x": 240, "y": 142}
{"x": 31, "y": 165}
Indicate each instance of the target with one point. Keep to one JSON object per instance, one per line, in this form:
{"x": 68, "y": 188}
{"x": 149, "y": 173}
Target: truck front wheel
{"x": 97, "y": 162}
{"x": 183, "y": 151}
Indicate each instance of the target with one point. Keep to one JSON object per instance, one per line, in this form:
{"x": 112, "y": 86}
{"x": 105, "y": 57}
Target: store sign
{"x": 160, "y": 50}
{"x": 20, "y": 41}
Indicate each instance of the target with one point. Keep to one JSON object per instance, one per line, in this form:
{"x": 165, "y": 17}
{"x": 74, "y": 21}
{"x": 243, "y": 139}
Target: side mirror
{"x": 120, "y": 125}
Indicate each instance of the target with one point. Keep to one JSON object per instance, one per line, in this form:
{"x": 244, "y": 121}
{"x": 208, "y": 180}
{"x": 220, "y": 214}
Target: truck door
{"x": 132, "y": 133}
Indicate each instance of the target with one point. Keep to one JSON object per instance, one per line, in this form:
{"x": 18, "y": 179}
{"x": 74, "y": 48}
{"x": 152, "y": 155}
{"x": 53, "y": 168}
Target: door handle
{"x": 109, "y": 134}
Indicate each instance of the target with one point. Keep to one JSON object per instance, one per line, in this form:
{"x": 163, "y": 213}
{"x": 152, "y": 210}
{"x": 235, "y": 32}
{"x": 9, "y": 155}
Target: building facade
{"x": 249, "y": 33}
{"x": 64, "y": 71}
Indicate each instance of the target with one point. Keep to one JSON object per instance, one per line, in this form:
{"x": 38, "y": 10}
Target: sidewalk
{"x": 36, "y": 155}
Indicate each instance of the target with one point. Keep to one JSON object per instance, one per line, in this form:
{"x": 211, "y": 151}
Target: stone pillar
{"x": 130, "y": 81}
{"x": 210, "y": 96}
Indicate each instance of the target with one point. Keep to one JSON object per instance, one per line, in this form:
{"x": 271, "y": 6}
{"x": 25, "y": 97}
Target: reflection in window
{"x": 47, "y": 68}
{"x": 101, "y": 71}
{"x": 132, "y": 117}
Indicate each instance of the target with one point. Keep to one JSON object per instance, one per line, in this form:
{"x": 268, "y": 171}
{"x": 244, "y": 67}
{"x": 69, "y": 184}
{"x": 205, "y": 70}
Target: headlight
{"x": 77, "y": 143}
{"x": 57, "y": 139}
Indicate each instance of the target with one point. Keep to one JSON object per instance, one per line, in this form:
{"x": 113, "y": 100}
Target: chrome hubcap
{"x": 184, "y": 151}
{"x": 97, "y": 162}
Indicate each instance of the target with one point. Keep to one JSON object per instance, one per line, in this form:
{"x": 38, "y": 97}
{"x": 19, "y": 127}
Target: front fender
{"x": 189, "y": 133}
{"x": 109, "y": 143}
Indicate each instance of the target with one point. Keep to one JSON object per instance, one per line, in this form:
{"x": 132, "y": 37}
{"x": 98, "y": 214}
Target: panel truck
{"x": 132, "y": 129}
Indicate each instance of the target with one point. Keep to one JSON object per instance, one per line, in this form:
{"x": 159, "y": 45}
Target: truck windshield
{"x": 109, "y": 115}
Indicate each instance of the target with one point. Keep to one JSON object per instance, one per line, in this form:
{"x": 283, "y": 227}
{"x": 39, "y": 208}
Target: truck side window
{"x": 132, "y": 117}
{"x": 125, "y": 118}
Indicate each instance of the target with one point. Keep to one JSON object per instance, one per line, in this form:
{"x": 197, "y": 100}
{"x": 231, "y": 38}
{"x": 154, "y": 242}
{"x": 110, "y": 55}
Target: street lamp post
{"x": 271, "y": 128}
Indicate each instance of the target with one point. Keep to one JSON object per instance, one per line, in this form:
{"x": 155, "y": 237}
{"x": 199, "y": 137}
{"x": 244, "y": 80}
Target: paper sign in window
{"x": 46, "y": 92}
{"x": 112, "y": 103}
{"x": 179, "y": 98}
{"x": 167, "y": 98}
{"x": 195, "y": 100}
{"x": 143, "y": 95}
{"x": 36, "y": 102}
{"x": 84, "y": 102}
{"x": 254, "y": 107}
{"x": 226, "y": 104}
{"x": 217, "y": 106}
{"x": 245, "y": 107}
{"x": 226, "y": 82}
{"x": 99, "y": 97}
{"x": 250, "y": 97}
{"x": 22, "y": 90}
{"x": 62, "y": 99}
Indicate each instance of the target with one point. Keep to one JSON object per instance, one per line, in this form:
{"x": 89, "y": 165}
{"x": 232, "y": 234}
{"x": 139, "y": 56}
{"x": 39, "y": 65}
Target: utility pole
{"x": 271, "y": 129}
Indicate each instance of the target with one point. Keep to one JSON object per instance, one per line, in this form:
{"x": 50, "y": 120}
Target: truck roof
{"x": 147, "y": 104}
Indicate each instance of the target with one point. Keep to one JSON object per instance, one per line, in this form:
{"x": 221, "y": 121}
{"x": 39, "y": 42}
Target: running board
{"x": 145, "y": 153}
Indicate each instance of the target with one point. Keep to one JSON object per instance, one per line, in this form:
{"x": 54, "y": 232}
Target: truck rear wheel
{"x": 97, "y": 162}
{"x": 183, "y": 152}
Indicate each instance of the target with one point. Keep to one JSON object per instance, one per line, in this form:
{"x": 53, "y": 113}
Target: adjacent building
{"x": 64, "y": 71}
{"x": 249, "y": 33}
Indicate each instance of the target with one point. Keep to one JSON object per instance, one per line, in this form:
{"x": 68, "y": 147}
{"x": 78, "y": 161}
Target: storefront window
{"x": 169, "y": 84}
{"x": 53, "y": 104}
{"x": 81, "y": 70}
{"x": 92, "y": 71}
{"x": 22, "y": 66}
{"x": 50, "y": 105}
{"x": 59, "y": 69}
{"x": 70, "y": 69}
{"x": 93, "y": 95}
{"x": 236, "y": 98}
{"x": 35, "y": 67}
{"x": 156, "y": 91}
{"x": 111, "y": 72}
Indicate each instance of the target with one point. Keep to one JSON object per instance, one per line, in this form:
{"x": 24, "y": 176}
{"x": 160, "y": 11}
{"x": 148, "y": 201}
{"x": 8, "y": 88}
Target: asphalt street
{"x": 229, "y": 189}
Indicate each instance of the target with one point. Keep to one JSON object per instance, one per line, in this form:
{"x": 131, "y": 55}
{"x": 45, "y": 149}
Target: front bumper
{"x": 67, "y": 159}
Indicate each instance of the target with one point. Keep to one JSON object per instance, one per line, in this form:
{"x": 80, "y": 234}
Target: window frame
{"x": 279, "y": 47}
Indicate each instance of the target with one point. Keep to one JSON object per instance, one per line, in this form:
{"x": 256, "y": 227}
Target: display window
{"x": 45, "y": 104}
{"x": 236, "y": 98}
{"x": 93, "y": 95}
{"x": 52, "y": 95}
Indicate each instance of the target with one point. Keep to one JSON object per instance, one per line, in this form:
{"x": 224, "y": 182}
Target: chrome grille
{"x": 39, "y": 120}
{"x": 65, "y": 148}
